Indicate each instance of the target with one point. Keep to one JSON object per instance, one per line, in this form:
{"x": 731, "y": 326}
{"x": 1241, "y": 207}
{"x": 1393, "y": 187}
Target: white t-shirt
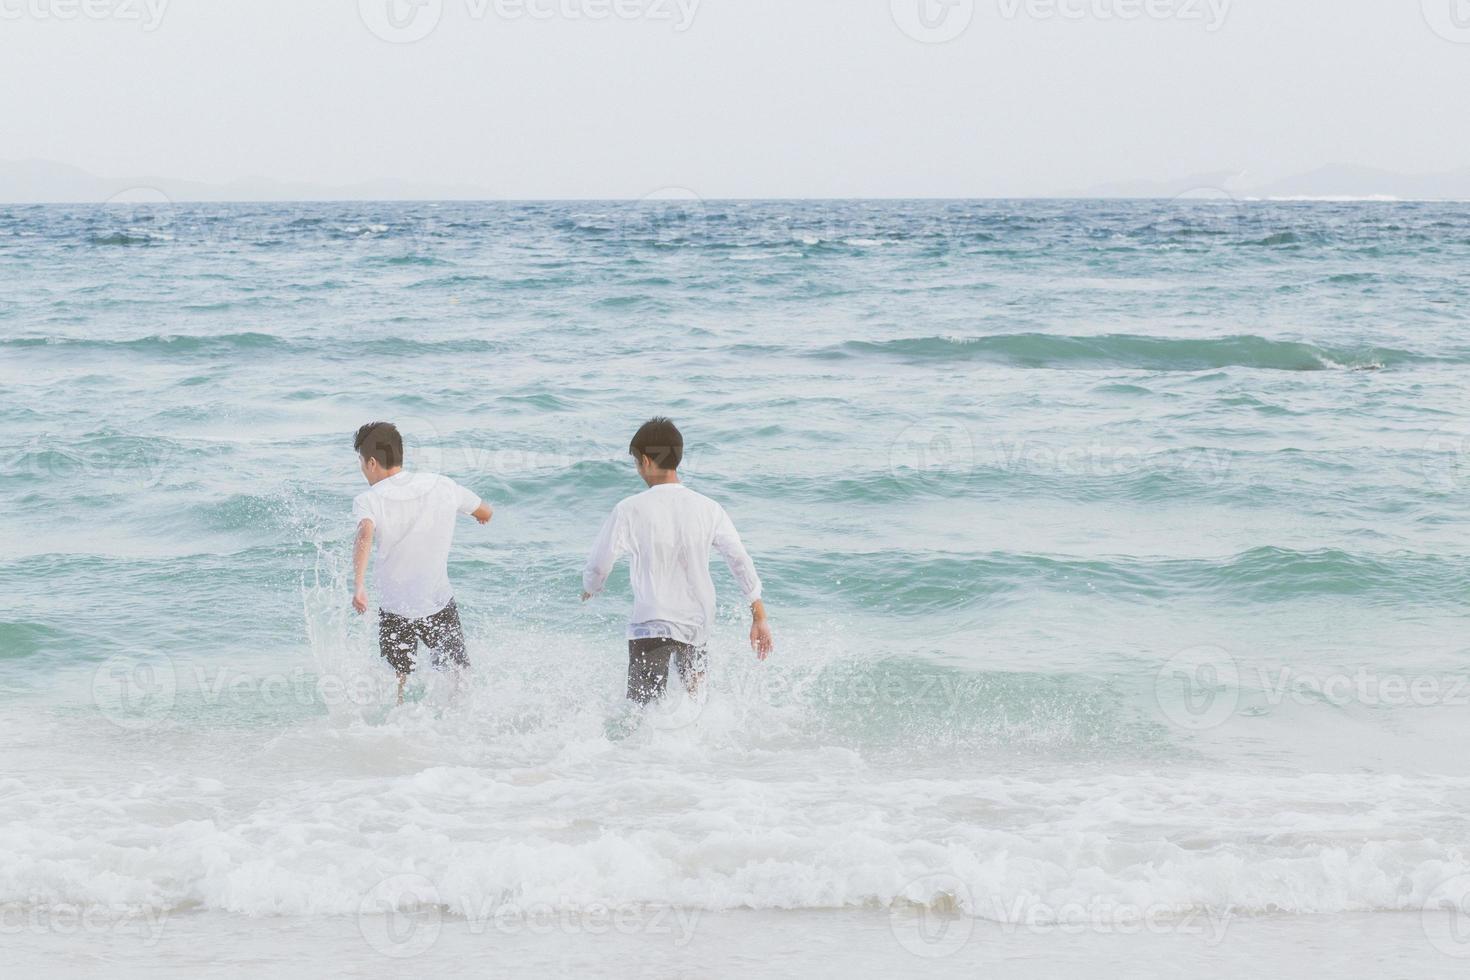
{"x": 667, "y": 532}
{"x": 413, "y": 517}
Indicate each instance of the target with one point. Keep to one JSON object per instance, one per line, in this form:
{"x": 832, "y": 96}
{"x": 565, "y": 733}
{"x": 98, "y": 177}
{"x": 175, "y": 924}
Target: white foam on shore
{"x": 516, "y": 798}
{"x": 310, "y": 822}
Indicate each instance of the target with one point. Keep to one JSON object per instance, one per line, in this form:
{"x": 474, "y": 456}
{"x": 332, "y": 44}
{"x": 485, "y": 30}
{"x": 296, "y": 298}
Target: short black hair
{"x": 380, "y": 441}
{"x": 660, "y": 441}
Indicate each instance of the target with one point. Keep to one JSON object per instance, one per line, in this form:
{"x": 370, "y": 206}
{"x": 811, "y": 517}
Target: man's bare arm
{"x": 361, "y": 551}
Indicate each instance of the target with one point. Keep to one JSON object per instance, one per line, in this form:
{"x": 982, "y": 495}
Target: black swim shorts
{"x": 398, "y": 638}
{"x": 648, "y": 666}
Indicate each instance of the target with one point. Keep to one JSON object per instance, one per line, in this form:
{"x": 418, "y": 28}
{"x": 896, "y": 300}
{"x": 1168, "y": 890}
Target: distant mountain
{"x": 47, "y": 182}
{"x": 1217, "y": 184}
{"x": 1367, "y": 182}
{"x": 44, "y": 181}
{"x": 1339, "y": 181}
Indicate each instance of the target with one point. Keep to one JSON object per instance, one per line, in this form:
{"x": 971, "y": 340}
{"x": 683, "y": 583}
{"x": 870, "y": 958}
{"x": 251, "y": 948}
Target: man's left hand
{"x": 761, "y": 640}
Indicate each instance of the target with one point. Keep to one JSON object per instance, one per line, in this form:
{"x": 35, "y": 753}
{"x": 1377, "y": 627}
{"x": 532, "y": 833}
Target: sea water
{"x": 1116, "y": 555}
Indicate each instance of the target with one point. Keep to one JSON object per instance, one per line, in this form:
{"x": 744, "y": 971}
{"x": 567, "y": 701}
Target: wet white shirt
{"x": 667, "y": 532}
{"x": 413, "y": 517}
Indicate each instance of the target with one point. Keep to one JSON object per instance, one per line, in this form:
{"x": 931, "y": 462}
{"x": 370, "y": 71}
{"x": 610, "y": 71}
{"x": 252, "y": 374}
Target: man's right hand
{"x": 761, "y": 640}
{"x": 360, "y": 552}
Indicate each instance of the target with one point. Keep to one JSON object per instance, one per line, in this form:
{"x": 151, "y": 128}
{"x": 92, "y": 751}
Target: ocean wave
{"x": 125, "y": 461}
{"x": 1010, "y": 469}
{"x": 158, "y": 343}
{"x": 1278, "y": 239}
{"x": 905, "y": 704}
{"x": 479, "y": 842}
{"x": 416, "y": 260}
{"x": 26, "y": 639}
{"x": 905, "y": 584}
{"x": 129, "y": 238}
{"x": 259, "y": 343}
{"x": 1141, "y": 352}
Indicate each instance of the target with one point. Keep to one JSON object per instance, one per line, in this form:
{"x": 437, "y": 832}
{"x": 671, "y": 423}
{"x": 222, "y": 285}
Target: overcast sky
{"x": 735, "y": 98}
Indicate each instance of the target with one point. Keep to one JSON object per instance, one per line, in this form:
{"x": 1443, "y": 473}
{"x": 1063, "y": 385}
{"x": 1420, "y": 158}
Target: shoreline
{"x": 732, "y": 944}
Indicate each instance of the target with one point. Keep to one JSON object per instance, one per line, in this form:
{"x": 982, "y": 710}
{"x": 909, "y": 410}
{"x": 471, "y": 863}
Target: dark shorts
{"x": 648, "y": 666}
{"x": 398, "y": 638}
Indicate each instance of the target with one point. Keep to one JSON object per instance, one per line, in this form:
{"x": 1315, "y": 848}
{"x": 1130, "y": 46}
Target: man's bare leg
{"x": 402, "y": 680}
{"x": 693, "y": 682}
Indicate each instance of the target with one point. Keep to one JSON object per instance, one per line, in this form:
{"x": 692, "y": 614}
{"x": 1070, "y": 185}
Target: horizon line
{"x": 1178, "y": 198}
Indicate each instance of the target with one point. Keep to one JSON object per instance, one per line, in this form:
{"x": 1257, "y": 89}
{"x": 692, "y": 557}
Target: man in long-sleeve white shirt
{"x": 668, "y": 532}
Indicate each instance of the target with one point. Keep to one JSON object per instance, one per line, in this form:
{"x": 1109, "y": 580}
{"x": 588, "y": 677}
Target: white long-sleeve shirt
{"x": 667, "y": 532}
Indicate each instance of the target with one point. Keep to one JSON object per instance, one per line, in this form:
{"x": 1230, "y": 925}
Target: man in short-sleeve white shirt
{"x": 412, "y": 516}
{"x": 668, "y": 532}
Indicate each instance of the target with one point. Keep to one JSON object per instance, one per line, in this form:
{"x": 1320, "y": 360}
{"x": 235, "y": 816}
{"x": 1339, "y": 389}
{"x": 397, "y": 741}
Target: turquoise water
{"x": 1115, "y": 552}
